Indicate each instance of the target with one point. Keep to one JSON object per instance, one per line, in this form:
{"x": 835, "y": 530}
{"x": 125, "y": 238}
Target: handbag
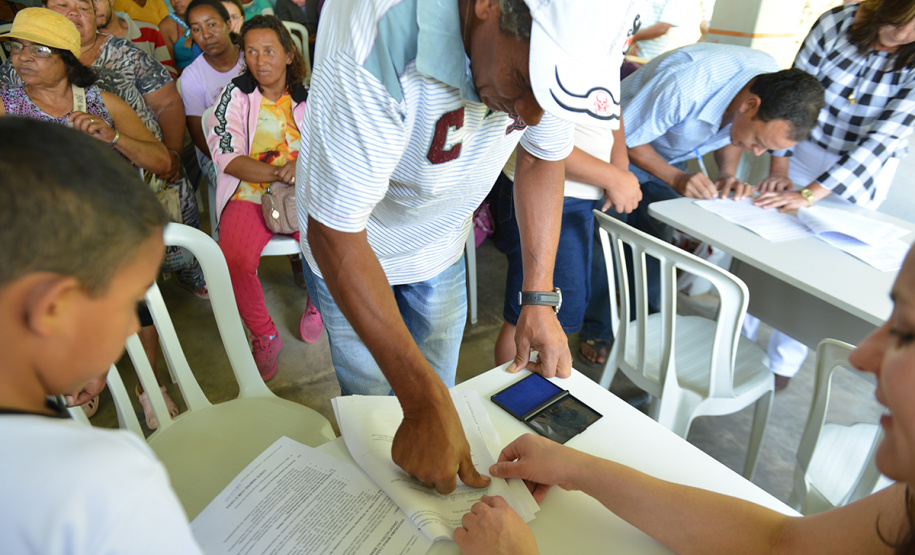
{"x": 278, "y": 204}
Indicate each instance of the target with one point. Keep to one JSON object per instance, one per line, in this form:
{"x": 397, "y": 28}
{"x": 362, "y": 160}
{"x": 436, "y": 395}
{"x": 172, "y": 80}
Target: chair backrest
{"x": 228, "y": 322}
{"x": 837, "y": 482}
{"x": 300, "y": 37}
{"x": 656, "y": 333}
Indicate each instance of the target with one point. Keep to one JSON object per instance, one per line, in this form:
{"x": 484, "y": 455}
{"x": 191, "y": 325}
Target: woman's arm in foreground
{"x": 693, "y": 520}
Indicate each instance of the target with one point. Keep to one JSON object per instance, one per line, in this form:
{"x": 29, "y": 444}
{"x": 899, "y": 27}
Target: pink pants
{"x": 242, "y": 236}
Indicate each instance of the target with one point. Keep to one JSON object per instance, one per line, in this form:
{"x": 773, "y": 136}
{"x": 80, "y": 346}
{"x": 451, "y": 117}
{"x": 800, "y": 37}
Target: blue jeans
{"x": 435, "y": 312}
{"x": 573, "y": 256}
{"x": 597, "y": 316}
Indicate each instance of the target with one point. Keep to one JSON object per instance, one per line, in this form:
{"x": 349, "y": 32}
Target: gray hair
{"x": 69, "y": 205}
{"x": 516, "y": 19}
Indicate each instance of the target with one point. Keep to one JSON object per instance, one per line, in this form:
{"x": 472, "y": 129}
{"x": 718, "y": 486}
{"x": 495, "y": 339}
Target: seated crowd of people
{"x": 414, "y": 111}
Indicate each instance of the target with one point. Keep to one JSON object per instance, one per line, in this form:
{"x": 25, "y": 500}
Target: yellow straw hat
{"x": 43, "y": 26}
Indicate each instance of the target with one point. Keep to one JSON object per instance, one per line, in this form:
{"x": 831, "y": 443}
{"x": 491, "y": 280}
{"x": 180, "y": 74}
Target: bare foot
{"x": 594, "y": 350}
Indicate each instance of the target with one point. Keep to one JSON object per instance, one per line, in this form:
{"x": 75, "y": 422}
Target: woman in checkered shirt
{"x": 863, "y": 55}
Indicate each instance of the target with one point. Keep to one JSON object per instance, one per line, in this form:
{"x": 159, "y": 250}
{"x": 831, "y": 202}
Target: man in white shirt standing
{"x": 414, "y": 107}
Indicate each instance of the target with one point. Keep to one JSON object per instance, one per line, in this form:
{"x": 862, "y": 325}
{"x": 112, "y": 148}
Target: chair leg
{"x": 760, "y": 419}
{"x": 671, "y": 413}
{"x": 606, "y": 376}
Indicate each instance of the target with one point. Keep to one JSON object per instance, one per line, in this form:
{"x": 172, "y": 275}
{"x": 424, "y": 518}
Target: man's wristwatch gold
{"x": 544, "y": 298}
{"x": 808, "y": 196}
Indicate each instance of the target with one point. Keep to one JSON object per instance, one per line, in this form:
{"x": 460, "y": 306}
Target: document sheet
{"x": 872, "y": 241}
{"x": 368, "y": 425}
{"x": 294, "y": 499}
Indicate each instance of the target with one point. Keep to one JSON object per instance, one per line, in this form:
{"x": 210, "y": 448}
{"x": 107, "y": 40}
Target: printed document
{"x": 294, "y": 499}
{"x": 877, "y": 243}
{"x": 368, "y": 425}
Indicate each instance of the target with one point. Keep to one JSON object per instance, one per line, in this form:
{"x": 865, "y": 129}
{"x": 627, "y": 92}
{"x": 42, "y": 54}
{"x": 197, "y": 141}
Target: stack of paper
{"x": 768, "y": 224}
{"x": 368, "y": 425}
{"x": 875, "y": 242}
{"x": 294, "y": 499}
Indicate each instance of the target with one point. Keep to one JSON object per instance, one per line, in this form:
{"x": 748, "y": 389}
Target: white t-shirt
{"x": 596, "y": 141}
{"x": 201, "y": 84}
{"x": 70, "y": 489}
{"x": 683, "y": 15}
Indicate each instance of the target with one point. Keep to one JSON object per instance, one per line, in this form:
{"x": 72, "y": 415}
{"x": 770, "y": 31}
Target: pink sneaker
{"x": 311, "y": 325}
{"x": 266, "y": 351}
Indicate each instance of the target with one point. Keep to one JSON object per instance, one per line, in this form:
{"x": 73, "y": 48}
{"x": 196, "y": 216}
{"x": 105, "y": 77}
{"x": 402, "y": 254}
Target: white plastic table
{"x": 803, "y": 287}
{"x": 572, "y": 522}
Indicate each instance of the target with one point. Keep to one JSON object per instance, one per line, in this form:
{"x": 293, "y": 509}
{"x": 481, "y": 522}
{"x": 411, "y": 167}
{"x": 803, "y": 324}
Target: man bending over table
{"x": 414, "y": 107}
{"x": 698, "y": 99}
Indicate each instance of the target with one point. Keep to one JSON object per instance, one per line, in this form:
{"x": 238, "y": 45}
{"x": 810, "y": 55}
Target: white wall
{"x": 901, "y": 199}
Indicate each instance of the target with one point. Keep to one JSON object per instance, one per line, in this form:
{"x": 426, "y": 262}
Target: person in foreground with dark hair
{"x": 694, "y": 100}
{"x": 864, "y": 55}
{"x": 44, "y": 46}
{"x": 254, "y": 139}
{"x": 692, "y": 520}
{"x": 65, "y": 315}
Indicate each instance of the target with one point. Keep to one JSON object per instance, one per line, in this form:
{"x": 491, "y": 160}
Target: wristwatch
{"x": 544, "y": 298}
{"x": 808, "y": 196}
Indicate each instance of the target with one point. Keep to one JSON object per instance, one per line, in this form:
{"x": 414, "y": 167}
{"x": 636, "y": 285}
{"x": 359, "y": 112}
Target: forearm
{"x": 778, "y": 166}
{"x": 197, "y": 136}
{"x": 652, "y": 31}
{"x": 685, "y": 519}
{"x": 728, "y": 158}
{"x": 619, "y": 154}
{"x": 582, "y": 167}
{"x": 251, "y": 170}
{"x": 538, "y": 202}
{"x": 646, "y": 158}
{"x": 361, "y": 291}
{"x": 166, "y": 104}
{"x": 150, "y": 155}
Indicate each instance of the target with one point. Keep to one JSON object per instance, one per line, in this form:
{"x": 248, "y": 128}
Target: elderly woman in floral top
{"x": 59, "y": 89}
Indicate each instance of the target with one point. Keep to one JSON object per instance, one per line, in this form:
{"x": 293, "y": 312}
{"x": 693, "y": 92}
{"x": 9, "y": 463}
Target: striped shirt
{"x": 676, "y": 101}
{"x": 149, "y": 39}
{"x": 872, "y": 129}
{"x": 395, "y": 140}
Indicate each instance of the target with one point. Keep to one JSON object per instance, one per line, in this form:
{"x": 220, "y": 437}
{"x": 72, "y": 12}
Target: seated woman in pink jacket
{"x": 254, "y": 141}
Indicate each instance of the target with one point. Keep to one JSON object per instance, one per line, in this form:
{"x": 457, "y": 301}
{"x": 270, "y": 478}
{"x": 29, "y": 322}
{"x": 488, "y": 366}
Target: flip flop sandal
{"x": 91, "y": 407}
{"x": 151, "y": 422}
{"x": 602, "y": 348}
{"x": 201, "y": 293}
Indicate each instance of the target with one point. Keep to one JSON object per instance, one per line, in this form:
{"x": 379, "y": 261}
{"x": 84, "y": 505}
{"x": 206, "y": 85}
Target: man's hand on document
{"x": 430, "y": 445}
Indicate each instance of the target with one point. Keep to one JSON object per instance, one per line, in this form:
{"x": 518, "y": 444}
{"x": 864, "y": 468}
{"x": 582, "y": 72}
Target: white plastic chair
{"x": 300, "y": 37}
{"x": 692, "y": 366}
{"x": 206, "y": 446}
{"x": 835, "y": 463}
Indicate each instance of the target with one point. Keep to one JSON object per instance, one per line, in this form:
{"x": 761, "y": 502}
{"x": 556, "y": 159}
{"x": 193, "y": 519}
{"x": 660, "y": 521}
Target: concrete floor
{"x": 306, "y": 375}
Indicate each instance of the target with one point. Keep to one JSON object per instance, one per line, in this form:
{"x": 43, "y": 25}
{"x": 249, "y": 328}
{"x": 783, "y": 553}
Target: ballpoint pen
{"x": 701, "y": 163}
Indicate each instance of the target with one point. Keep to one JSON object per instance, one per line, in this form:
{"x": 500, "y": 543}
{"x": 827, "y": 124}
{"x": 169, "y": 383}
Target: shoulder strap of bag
{"x": 79, "y": 98}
